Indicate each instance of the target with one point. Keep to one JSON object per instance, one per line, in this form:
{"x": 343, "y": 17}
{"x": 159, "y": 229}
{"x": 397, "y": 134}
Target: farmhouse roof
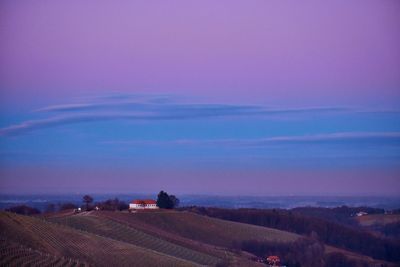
{"x": 144, "y": 201}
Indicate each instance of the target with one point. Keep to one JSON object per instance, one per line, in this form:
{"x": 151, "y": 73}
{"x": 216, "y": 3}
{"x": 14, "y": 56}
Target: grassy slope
{"x": 67, "y": 242}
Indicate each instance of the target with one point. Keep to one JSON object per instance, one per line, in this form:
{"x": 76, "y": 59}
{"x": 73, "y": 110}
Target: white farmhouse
{"x": 140, "y": 204}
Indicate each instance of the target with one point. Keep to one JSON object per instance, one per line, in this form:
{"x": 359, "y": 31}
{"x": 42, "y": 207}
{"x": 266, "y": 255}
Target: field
{"x": 377, "y": 219}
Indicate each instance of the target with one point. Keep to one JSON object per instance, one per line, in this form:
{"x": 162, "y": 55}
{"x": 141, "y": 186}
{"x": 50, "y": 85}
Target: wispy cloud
{"x": 148, "y": 108}
{"x": 111, "y": 102}
{"x": 333, "y": 137}
{"x": 329, "y": 138}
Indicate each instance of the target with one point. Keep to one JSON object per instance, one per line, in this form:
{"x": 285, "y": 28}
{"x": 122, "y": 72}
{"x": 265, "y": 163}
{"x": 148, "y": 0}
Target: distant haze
{"x": 228, "y": 97}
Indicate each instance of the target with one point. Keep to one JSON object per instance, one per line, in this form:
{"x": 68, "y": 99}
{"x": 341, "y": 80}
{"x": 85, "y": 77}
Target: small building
{"x": 273, "y": 261}
{"x": 361, "y": 213}
{"x": 141, "y": 204}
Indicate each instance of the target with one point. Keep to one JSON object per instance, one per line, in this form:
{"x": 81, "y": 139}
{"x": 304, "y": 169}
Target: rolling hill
{"x": 91, "y": 249}
{"x": 158, "y": 238}
{"x": 118, "y": 231}
{"x": 93, "y": 239}
{"x": 200, "y": 228}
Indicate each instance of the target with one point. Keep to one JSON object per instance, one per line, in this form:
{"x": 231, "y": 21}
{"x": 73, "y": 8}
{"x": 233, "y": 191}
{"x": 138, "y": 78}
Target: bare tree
{"x": 87, "y": 200}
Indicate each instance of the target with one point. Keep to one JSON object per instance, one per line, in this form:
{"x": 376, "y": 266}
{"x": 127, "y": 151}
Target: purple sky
{"x": 178, "y": 88}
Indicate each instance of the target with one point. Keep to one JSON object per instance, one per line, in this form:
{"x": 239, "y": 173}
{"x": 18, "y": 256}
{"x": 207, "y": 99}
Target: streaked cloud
{"x": 111, "y": 101}
{"x": 336, "y": 137}
{"x": 149, "y": 109}
{"x": 343, "y": 137}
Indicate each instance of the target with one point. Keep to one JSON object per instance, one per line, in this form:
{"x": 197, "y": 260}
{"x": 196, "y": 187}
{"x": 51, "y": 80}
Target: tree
{"x": 175, "y": 201}
{"x": 87, "y": 200}
{"x": 165, "y": 201}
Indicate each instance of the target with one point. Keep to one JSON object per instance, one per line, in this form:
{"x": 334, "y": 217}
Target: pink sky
{"x": 271, "y": 51}
{"x": 321, "y": 77}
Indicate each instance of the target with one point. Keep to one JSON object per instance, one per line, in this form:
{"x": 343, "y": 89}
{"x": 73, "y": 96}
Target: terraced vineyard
{"x": 118, "y": 231}
{"x": 63, "y": 241}
{"x": 12, "y": 254}
{"x": 205, "y": 229}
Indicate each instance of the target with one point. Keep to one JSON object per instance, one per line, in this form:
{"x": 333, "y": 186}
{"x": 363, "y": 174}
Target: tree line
{"x": 164, "y": 201}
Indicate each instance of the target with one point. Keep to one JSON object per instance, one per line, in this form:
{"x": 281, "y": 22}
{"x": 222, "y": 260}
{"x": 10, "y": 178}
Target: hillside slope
{"x": 125, "y": 227}
{"x": 354, "y": 243}
{"x": 62, "y": 241}
{"x": 13, "y": 254}
{"x": 214, "y": 231}
{"x": 118, "y": 231}
{"x": 159, "y": 238}
{"x": 201, "y": 228}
